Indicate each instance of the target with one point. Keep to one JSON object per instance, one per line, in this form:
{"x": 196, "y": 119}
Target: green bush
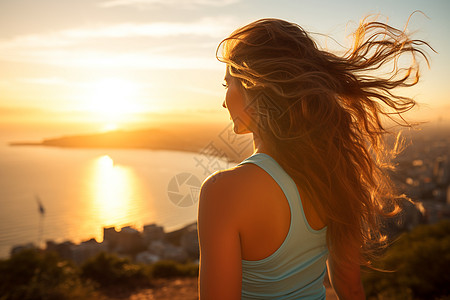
{"x": 419, "y": 262}
{"x": 108, "y": 270}
{"x": 37, "y": 275}
{"x": 189, "y": 269}
{"x": 31, "y": 274}
{"x": 168, "y": 269}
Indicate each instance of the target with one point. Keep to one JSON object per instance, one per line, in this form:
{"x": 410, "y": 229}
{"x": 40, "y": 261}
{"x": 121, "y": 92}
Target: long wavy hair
{"x": 322, "y": 117}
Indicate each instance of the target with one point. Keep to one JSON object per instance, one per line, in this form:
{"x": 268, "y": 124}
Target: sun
{"x": 110, "y": 127}
{"x": 112, "y": 99}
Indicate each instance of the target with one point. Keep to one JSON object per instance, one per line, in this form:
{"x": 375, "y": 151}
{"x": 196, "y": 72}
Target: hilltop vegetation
{"x": 32, "y": 274}
{"x": 417, "y": 266}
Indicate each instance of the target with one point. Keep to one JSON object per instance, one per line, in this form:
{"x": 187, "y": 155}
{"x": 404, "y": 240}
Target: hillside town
{"x": 149, "y": 246}
{"x": 422, "y": 173}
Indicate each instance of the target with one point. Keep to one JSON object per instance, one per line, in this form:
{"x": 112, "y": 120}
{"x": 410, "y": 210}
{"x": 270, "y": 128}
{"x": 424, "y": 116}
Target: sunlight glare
{"x": 113, "y": 191}
{"x": 110, "y": 127}
{"x": 113, "y": 98}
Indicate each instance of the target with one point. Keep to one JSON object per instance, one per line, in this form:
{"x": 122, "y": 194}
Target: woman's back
{"x": 269, "y": 216}
{"x": 281, "y": 254}
{"x": 295, "y": 267}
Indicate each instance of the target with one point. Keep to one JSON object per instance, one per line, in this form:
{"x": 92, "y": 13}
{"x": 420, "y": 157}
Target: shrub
{"x": 168, "y": 269}
{"x": 108, "y": 270}
{"x": 419, "y": 261}
{"x": 31, "y": 274}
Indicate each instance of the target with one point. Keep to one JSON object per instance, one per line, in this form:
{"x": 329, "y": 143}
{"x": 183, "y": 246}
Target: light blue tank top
{"x": 297, "y": 268}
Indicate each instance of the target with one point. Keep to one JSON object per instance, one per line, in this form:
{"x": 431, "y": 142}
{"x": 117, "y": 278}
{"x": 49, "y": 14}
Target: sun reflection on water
{"x": 114, "y": 188}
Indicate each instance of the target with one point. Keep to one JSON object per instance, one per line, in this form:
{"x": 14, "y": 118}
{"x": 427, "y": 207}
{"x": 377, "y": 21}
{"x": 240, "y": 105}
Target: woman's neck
{"x": 259, "y": 146}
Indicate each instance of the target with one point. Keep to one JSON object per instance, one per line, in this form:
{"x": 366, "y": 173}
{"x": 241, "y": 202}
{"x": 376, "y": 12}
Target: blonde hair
{"x": 321, "y": 116}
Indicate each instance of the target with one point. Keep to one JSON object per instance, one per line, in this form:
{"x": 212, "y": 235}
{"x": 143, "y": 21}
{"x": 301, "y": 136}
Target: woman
{"x": 313, "y": 193}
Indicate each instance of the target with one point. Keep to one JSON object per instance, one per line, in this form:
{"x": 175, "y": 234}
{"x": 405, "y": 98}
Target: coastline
{"x": 85, "y": 190}
{"x": 224, "y": 144}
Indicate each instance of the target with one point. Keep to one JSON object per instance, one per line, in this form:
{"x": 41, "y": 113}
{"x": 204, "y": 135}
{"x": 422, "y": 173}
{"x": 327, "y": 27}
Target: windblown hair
{"x": 321, "y": 116}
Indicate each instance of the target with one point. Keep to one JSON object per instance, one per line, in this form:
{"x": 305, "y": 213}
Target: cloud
{"x": 208, "y": 27}
{"x": 205, "y": 27}
{"x": 36, "y": 41}
{"x": 104, "y": 59}
{"x": 44, "y": 80}
{"x": 102, "y": 46}
{"x": 173, "y": 3}
{"x": 4, "y": 83}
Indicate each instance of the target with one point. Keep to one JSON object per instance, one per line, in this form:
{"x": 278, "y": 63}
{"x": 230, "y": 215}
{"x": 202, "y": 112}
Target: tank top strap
{"x": 270, "y": 165}
{"x": 287, "y": 185}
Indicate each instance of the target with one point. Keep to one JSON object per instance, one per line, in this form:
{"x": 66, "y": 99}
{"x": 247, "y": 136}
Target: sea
{"x": 71, "y": 194}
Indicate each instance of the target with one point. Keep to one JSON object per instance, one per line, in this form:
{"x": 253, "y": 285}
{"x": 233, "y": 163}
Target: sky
{"x": 113, "y": 60}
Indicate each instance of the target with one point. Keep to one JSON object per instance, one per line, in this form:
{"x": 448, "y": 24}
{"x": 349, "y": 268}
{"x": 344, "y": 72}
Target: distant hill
{"x": 205, "y": 139}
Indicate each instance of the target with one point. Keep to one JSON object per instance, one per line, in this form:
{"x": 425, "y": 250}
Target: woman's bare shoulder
{"x": 235, "y": 180}
{"x": 228, "y": 198}
{"x": 233, "y": 186}
{"x": 234, "y": 190}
